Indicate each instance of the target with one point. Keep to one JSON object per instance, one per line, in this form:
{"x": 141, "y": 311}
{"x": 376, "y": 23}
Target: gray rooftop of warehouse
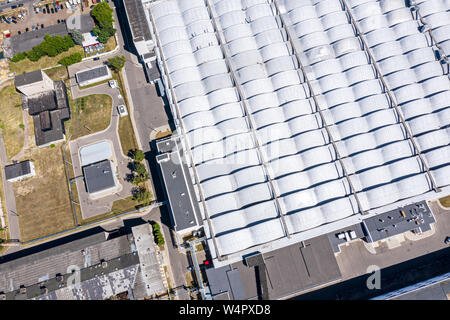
{"x": 289, "y": 270}
{"x": 91, "y": 74}
{"x": 98, "y": 176}
{"x": 137, "y": 20}
{"x": 178, "y": 184}
{"x": 44, "y": 265}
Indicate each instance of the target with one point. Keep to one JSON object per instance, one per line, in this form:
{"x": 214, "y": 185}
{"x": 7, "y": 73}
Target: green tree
{"x": 139, "y": 168}
{"x": 137, "y": 180}
{"x": 117, "y": 62}
{"x": 103, "y": 14}
{"x": 19, "y": 56}
{"x": 143, "y": 196}
{"x": 137, "y": 155}
{"x": 35, "y": 54}
{"x": 77, "y": 36}
{"x": 159, "y": 239}
{"x": 71, "y": 59}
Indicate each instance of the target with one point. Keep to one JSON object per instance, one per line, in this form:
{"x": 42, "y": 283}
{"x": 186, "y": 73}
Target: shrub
{"x": 103, "y": 34}
{"x": 77, "y": 37}
{"x": 143, "y": 196}
{"x": 137, "y": 155}
{"x": 71, "y": 59}
{"x": 117, "y": 62}
{"x": 19, "y": 56}
{"x": 159, "y": 239}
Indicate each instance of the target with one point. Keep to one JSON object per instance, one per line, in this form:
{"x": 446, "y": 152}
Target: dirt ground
{"x": 43, "y": 202}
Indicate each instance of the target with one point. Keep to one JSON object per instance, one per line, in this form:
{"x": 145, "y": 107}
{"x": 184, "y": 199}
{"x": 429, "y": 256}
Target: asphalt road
{"x": 149, "y": 111}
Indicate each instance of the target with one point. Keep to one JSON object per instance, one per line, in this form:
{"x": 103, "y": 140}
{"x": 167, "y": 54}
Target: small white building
{"x": 33, "y": 83}
{"x": 90, "y": 76}
{"x": 19, "y": 171}
{"x": 90, "y": 39}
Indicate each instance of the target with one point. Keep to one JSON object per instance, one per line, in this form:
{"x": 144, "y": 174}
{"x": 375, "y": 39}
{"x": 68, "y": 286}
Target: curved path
{"x": 89, "y": 206}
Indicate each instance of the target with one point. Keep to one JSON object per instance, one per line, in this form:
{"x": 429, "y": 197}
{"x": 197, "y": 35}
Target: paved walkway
{"x": 90, "y": 207}
{"x": 10, "y": 200}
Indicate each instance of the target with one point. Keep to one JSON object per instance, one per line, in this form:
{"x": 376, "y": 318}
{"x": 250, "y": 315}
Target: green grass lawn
{"x": 11, "y": 120}
{"x": 89, "y": 114}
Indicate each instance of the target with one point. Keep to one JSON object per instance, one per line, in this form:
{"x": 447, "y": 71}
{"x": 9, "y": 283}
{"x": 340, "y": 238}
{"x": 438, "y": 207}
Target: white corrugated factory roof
{"x": 272, "y": 167}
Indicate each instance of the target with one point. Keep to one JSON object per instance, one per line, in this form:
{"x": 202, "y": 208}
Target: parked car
{"x": 33, "y": 27}
{"x": 44, "y": 11}
{"x": 42, "y": 25}
{"x": 52, "y": 10}
{"x": 447, "y": 240}
{"x": 26, "y": 29}
{"x": 61, "y": 6}
{"x": 96, "y": 58}
{"x": 19, "y": 32}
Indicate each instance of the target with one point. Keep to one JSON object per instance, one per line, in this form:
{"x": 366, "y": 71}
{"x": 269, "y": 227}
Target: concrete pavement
{"x": 10, "y": 199}
{"x": 91, "y": 207}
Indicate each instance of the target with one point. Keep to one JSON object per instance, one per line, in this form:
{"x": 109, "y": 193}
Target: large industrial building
{"x": 302, "y": 117}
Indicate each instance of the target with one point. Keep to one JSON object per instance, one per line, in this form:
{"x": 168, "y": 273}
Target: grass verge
{"x": 11, "y": 120}
{"x": 57, "y": 73}
{"x": 89, "y": 114}
{"x": 445, "y": 202}
{"x": 43, "y": 203}
{"x": 26, "y": 65}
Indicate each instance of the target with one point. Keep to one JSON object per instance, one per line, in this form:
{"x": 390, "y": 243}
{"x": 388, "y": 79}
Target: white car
{"x": 112, "y": 83}
{"x": 122, "y": 110}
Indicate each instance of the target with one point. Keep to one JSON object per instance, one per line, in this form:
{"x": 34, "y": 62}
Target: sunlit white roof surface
{"x": 270, "y": 168}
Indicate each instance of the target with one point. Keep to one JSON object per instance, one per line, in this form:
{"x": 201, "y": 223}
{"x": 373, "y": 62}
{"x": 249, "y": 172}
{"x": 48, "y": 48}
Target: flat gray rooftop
{"x": 17, "y": 169}
{"x": 401, "y": 220}
{"x": 137, "y": 20}
{"x": 98, "y": 176}
{"x": 92, "y": 74}
{"x": 28, "y": 78}
{"x": 44, "y": 265}
{"x": 288, "y": 270}
{"x": 178, "y": 183}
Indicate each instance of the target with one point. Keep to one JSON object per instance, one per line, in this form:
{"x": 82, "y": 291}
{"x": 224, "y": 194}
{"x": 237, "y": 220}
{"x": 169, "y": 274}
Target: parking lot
{"x": 34, "y": 19}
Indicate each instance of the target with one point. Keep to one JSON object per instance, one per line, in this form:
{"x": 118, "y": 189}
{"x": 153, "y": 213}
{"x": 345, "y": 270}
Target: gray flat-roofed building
{"x": 28, "y": 78}
{"x": 19, "y": 171}
{"x": 93, "y": 75}
{"x": 137, "y": 20}
{"x": 415, "y": 217}
{"x": 150, "y": 260}
{"x": 99, "y": 177}
{"x": 282, "y": 273}
{"x": 33, "y": 83}
{"x": 436, "y": 288}
{"x": 184, "y": 209}
{"x": 139, "y": 27}
{"x": 108, "y": 264}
